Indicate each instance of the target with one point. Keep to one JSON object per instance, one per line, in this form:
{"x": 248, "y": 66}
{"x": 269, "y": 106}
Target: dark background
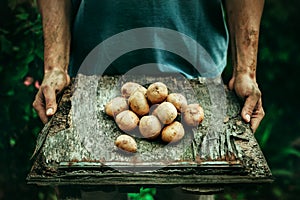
{"x": 21, "y": 68}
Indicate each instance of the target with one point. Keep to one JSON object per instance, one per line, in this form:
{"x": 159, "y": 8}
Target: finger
{"x": 68, "y": 79}
{"x": 39, "y": 107}
{"x": 254, "y": 124}
{"x": 50, "y": 100}
{"x": 249, "y": 106}
{"x": 257, "y": 116}
{"x": 231, "y": 84}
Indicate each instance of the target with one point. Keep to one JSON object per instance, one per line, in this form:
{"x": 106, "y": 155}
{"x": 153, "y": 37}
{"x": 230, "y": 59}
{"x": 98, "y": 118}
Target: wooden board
{"x": 77, "y": 146}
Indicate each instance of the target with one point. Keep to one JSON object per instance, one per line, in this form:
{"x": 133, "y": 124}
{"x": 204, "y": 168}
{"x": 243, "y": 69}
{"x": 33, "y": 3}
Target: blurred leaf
{"x": 29, "y": 58}
{"x": 278, "y": 192}
{"x": 266, "y": 54}
{"x": 22, "y": 16}
{"x": 5, "y": 45}
{"x": 34, "y": 113}
{"x": 284, "y": 56}
{"x": 145, "y": 194}
{"x": 3, "y": 31}
{"x": 26, "y": 118}
{"x": 12, "y": 4}
{"x": 12, "y": 142}
{"x": 39, "y": 53}
{"x": 148, "y": 190}
{"x": 133, "y": 195}
{"x": 273, "y": 115}
{"x": 291, "y": 151}
{"x": 20, "y": 73}
{"x": 147, "y": 197}
{"x": 282, "y": 172}
{"x": 228, "y": 197}
{"x": 10, "y": 92}
{"x": 266, "y": 134}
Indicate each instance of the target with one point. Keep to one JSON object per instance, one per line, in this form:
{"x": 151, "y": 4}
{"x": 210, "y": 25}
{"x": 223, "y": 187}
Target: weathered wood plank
{"x": 79, "y": 141}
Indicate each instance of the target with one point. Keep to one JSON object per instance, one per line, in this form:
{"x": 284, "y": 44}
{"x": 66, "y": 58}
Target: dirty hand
{"x": 54, "y": 82}
{"x": 247, "y": 88}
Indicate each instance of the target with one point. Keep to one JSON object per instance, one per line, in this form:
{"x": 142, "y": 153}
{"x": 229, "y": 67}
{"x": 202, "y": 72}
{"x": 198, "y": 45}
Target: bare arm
{"x": 56, "y": 19}
{"x": 244, "y": 18}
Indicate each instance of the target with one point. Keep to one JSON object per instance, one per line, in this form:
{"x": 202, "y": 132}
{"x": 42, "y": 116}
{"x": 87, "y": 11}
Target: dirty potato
{"x": 138, "y": 103}
{"x": 157, "y": 92}
{"x": 129, "y": 87}
{"x": 193, "y": 114}
{"x": 150, "y": 126}
{"x": 173, "y": 132}
{"x": 127, "y": 120}
{"x": 115, "y": 106}
{"x": 126, "y": 143}
{"x": 166, "y": 112}
{"x": 178, "y": 100}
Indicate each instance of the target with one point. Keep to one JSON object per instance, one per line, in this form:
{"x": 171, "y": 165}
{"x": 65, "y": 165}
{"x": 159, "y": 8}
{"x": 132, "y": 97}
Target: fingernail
{"x": 49, "y": 111}
{"x": 247, "y": 116}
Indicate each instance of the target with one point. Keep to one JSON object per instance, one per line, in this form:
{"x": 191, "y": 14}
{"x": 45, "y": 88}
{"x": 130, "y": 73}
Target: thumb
{"x": 231, "y": 84}
{"x": 50, "y": 100}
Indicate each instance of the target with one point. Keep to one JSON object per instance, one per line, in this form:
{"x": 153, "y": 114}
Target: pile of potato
{"x": 153, "y": 111}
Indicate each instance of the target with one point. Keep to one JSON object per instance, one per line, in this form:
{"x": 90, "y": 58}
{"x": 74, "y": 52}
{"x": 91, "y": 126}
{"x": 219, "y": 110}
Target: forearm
{"x": 244, "y": 18}
{"x": 56, "y": 21}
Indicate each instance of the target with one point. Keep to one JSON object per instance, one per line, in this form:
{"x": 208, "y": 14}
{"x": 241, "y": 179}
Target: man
{"x": 243, "y": 21}
{"x": 73, "y": 28}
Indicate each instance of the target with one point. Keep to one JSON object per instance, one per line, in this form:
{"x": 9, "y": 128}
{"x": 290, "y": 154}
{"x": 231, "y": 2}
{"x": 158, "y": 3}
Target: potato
{"x": 128, "y": 88}
{"x": 173, "y": 132}
{"x": 138, "y": 103}
{"x": 178, "y": 100}
{"x": 150, "y": 126}
{"x": 157, "y": 92}
{"x": 141, "y": 89}
{"x": 126, "y": 143}
{"x": 166, "y": 112}
{"x": 115, "y": 106}
{"x": 127, "y": 120}
{"x": 193, "y": 114}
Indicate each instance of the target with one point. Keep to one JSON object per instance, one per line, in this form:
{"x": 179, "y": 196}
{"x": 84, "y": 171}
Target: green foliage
{"x": 21, "y": 53}
{"x": 145, "y": 194}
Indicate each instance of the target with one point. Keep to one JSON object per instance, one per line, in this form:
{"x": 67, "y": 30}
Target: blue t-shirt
{"x": 114, "y": 37}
